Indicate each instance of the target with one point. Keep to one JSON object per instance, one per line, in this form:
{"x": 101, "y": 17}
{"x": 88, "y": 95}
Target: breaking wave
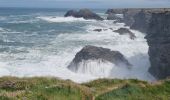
{"x": 52, "y": 53}
{"x": 63, "y": 19}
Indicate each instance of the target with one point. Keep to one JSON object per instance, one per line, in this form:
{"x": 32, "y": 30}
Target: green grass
{"x": 39, "y": 88}
{"x": 138, "y": 91}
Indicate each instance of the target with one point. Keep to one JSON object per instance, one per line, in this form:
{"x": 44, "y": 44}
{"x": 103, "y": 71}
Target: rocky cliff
{"x": 141, "y": 21}
{"x": 142, "y": 18}
{"x": 158, "y": 39}
{"x": 137, "y": 19}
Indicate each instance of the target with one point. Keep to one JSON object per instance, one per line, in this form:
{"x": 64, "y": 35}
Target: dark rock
{"x": 96, "y": 53}
{"x": 123, "y": 31}
{"x": 158, "y": 39}
{"x": 141, "y": 21}
{"x": 97, "y": 30}
{"x": 111, "y": 28}
{"x": 115, "y": 11}
{"x": 71, "y": 13}
{"x": 136, "y": 18}
{"x": 85, "y": 13}
{"x": 129, "y": 16}
{"x": 114, "y": 17}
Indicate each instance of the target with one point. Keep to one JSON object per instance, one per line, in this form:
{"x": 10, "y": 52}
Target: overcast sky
{"x": 86, "y": 3}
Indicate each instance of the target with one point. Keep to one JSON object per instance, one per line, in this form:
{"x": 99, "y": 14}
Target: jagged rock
{"x": 123, "y": 31}
{"x": 71, "y": 13}
{"x": 97, "y": 30}
{"x": 115, "y": 11}
{"x": 98, "y": 53}
{"x": 114, "y": 17}
{"x": 128, "y": 14}
{"x": 158, "y": 39}
{"x": 85, "y": 13}
{"x": 137, "y": 18}
{"x": 141, "y": 21}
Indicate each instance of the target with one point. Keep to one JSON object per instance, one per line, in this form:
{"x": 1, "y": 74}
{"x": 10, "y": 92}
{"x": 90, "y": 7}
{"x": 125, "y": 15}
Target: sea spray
{"x": 56, "y": 40}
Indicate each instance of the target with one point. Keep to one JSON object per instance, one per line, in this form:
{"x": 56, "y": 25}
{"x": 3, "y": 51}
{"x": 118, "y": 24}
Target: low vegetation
{"x": 39, "y": 88}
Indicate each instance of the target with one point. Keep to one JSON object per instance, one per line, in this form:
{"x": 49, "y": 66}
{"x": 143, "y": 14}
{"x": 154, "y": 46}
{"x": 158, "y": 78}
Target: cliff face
{"x": 158, "y": 39}
{"x": 137, "y": 19}
{"x": 128, "y": 14}
{"x": 141, "y": 21}
{"x": 142, "y": 18}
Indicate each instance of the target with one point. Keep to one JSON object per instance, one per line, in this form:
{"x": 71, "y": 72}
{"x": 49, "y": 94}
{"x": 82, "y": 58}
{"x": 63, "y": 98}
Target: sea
{"x": 42, "y": 42}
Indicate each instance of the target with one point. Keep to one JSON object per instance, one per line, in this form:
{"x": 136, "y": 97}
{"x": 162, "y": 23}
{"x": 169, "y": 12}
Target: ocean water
{"x": 41, "y": 42}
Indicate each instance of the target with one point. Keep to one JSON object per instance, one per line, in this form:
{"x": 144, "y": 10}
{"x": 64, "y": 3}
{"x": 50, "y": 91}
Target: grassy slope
{"x": 130, "y": 90}
{"x": 12, "y": 88}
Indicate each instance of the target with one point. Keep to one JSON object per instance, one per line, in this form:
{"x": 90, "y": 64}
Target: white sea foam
{"x": 45, "y": 62}
{"x": 2, "y": 18}
{"x": 62, "y": 19}
{"x": 22, "y": 21}
{"x": 98, "y": 68}
{"x": 136, "y": 51}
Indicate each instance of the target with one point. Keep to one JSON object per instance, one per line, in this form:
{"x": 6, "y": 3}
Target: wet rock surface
{"x": 84, "y": 13}
{"x": 97, "y": 30}
{"x": 95, "y": 53}
{"x": 136, "y": 18}
{"x": 124, "y": 31}
{"x": 158, "y": 39}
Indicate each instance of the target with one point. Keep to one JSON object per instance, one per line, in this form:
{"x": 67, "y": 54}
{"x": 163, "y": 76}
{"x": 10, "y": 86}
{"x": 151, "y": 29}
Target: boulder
{"x": 97, "y": 30}
{"x": 124, "y": 31}
{"x": 98, "y": 53}
{"x": 158, "y": 38}
{"x": 84, "y": 13}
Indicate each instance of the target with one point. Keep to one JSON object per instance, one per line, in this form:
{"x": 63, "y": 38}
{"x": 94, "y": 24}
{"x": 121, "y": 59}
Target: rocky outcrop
{"x": 116, "y": 17}
{"x": 141, "y": 21}
{"x": 137, "y": 19}
{"x": 97, "y": 30}
{"x": 84, "y": 13}
{"x": 115, "y": 11}
{"x": 124, "y": 31}
{"x": 142, "y": 18}
{"x": 128, "y": 14}
{"x": 158, "y": 39}
{"x": 98, "y": 53}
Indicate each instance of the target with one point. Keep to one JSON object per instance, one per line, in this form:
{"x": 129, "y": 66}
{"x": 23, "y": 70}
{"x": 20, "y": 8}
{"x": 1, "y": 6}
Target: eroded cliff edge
{"x": 136, "y": 18}
{"x": 158, "y": 39}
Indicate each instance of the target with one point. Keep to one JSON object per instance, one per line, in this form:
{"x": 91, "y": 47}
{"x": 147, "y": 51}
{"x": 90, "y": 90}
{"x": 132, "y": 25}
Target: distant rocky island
{"x": 84, "y": 13}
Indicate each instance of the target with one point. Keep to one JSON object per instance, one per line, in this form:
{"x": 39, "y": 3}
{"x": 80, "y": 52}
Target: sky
{"x": 86, "y": 3}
